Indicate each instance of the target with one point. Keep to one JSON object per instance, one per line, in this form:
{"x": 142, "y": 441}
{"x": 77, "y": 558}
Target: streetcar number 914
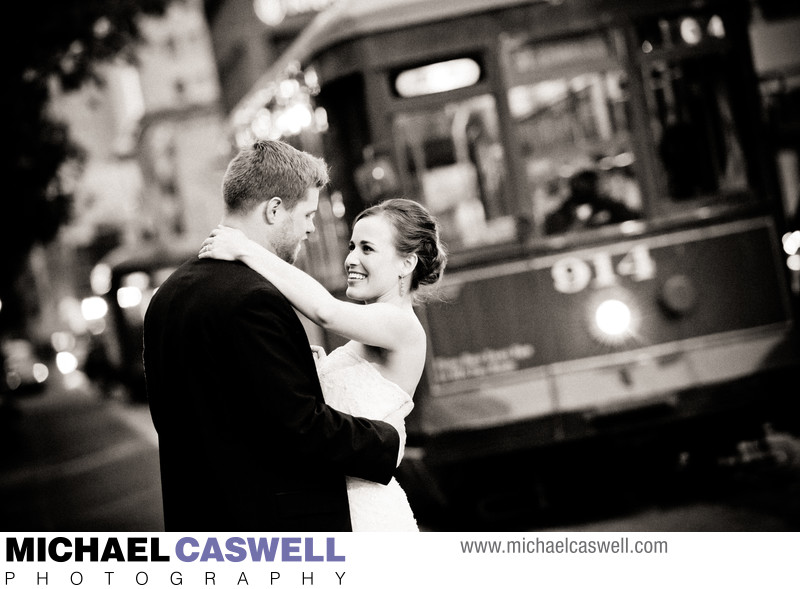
{"x": 574, "y": 274}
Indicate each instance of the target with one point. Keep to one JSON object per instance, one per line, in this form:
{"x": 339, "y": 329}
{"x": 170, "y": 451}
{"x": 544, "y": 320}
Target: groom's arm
{"x": 278, "y": 364}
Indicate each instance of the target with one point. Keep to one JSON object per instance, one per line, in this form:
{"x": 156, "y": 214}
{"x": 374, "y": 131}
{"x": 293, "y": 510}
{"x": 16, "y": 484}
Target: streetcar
{"x": 610, "y": 203}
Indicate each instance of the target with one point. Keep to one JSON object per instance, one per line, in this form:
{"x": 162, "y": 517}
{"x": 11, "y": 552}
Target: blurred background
{"x": 125, "y": 114}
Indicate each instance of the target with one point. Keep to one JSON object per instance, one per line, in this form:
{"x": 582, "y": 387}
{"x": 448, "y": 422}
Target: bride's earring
{"x": 401, "y": 280}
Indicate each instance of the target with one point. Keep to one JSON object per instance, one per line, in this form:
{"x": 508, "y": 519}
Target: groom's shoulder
{"x": 230, "y": 279}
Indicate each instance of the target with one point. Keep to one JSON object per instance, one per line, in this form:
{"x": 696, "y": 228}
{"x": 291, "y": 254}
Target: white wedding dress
{"x": 351, "y": 384}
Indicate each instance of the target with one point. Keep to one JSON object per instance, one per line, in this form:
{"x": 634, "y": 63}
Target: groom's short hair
{"x": 269, "y": 169}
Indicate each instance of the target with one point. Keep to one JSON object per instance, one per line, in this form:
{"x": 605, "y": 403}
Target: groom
{"x": 246, "y": 441}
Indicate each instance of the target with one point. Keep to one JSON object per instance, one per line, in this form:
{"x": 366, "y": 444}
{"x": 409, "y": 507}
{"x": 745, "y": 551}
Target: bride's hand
{"x": 224, "y": 243}
{"x": 318, "y": 352}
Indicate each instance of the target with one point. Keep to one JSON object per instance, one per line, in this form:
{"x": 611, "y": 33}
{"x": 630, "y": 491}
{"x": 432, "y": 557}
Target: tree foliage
{"x": 63, "y": 41}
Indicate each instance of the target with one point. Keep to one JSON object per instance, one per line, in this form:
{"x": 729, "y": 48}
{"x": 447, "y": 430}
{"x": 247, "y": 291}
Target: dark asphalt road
{"x": 71, "y": 460}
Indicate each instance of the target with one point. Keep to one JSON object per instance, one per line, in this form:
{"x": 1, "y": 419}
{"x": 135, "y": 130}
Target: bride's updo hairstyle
{"x": 416, "y": 232}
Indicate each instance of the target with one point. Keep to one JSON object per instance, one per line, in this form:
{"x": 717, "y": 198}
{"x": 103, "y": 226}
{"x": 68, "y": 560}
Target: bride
{"x": 394, "y": 249}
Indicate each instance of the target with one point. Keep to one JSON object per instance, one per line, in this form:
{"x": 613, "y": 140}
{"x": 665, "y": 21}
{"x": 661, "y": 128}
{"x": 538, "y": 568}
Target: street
{"x": 74, "y": 460}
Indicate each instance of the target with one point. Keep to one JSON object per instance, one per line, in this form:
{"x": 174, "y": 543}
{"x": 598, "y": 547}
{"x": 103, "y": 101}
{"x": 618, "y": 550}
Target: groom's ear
{"x": 271, "y": 210}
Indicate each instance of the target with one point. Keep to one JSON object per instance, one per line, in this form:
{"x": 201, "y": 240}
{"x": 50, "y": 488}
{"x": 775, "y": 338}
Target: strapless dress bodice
{"x": 353, "y": 385}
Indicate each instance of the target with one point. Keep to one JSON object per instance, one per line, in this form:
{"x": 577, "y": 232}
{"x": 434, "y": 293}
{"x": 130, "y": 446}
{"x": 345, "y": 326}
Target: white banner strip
{"x": 411, "y": 561}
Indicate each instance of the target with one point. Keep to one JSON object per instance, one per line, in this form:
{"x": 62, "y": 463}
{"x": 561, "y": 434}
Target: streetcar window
{"x": 574, "y": 135}
{"x": 453, "y": 157}
{"x": 691, "y": 90}
{"x": 570, "y": 108}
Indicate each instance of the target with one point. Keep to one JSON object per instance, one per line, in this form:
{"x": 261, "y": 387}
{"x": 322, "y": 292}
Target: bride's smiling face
{"x": 373, "y": 265}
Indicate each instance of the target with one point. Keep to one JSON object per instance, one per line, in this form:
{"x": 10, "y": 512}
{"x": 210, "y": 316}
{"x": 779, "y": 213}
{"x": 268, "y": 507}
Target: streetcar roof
{"x": 350, "y": 19}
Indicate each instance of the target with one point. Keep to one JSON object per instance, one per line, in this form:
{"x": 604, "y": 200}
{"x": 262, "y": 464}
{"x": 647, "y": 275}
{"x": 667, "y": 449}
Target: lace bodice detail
{"x": 354, "y": 385}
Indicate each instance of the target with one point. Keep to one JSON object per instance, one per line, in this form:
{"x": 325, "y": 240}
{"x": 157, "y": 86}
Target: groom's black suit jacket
{"x": 245, "y": 440}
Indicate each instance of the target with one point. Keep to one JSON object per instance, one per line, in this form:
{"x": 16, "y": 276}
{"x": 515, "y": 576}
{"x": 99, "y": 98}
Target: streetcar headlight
{"x": 613, "y": 318}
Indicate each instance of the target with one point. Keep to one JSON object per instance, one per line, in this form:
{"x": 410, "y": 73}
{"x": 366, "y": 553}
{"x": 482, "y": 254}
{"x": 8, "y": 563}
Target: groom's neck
{"x": 252, "y": 226}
